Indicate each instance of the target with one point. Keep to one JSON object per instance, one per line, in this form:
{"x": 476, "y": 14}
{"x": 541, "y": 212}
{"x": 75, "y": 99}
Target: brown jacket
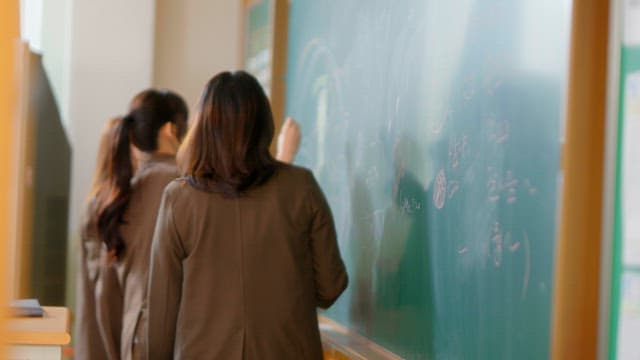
{"x": 111, "y": 299}
{"x": 97, "y": 333}
{"x": 241, "y": 278}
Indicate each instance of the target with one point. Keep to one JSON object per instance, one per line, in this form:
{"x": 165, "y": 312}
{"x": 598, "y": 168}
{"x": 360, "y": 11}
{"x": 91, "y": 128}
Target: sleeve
{"x": 329, "y": 270}
{"x": 165, "y": 283}
{"x": 87, "y": 340}
{"x": 109, "y": 299}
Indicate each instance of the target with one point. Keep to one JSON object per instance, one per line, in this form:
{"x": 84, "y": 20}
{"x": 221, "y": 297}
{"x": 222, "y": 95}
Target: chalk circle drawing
{"x": 440, "y": 190}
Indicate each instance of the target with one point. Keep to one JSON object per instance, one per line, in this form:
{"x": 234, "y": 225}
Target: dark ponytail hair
{"x": 149, "y": 111}
{"x": 120, "y": 167}
{"x": 180, "y": 113}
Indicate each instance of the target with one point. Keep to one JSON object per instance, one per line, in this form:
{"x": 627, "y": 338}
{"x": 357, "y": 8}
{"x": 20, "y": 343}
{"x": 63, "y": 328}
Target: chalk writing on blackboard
{"x": 514, "y": 247}
{"x": 408, "y": 206}
{"x": 457, "y": 149}
{"x": 498, "y": 131}
{"x": 439, "y": 125}
{"x": 496, "y": 243}
{"x": 493, "y": 185}
{"x": 532, "y": 190}
{"x": 527, "y": 265}
{"x": 509, "y": 186}
{"x": 506, "y": 186}
{"x": 452, "y": 188}
{"x": 493, "y": 86}
{"x": 440, "y": 190}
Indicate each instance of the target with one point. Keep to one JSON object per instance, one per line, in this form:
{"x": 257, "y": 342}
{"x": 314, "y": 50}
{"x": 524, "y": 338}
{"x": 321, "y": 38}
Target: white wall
{"x": 31, "y": 23}
{"x": 56, "y": 46}
{"x": 111, "y": 60}
{"x": 46, "y": 27}
{"x": 195, "y": 39}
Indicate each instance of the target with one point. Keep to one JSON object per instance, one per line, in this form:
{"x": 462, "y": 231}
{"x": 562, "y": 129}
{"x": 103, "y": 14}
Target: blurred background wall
{"x": 193, "y": 40}
{"x": 90, "y": 59}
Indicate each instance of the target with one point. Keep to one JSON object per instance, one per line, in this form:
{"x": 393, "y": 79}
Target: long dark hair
{"x": 180, "y": 113}
{"x": 227, "y": 148}
{"x": 101, "y": 184}
{"x": 149, "y": 111}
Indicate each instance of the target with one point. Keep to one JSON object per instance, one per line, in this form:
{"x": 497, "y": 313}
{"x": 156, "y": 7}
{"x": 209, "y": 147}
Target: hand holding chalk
{"x": 288, "y": 141}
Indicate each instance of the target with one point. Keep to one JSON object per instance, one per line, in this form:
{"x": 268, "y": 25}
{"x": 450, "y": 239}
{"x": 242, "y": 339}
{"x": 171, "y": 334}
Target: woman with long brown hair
{"x": 93, "y": 339}
{"x": 136, "y": 162}
{"x": 245, "y": 247}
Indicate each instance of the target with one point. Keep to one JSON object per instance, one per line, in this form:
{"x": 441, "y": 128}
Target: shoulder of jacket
{"x": 176, "y": 185}
{"x": 295, "y": 171}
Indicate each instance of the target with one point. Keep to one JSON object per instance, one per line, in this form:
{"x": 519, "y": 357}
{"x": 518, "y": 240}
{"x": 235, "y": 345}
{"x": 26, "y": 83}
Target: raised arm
{"x": 288, "y": 141}
{"x": 329, "y": 271}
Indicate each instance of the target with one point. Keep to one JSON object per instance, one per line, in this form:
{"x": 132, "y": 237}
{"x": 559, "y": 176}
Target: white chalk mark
{"x": 452, "y": 188}
{"x": 499, "y": 131}
{"x": 463, "y": 250}
{"x": 437, "y": 128}
{"x": 491, "y": 89}
{"x": 510, "y": 186}
{"x": 493, "y": 185}
{"x": 514, "y": 247}
{"x": 440, "y": 190}
{"x": 527, "y": 265}
{"x": 497, "y": 240}
{"x": 457, "y": 149}
{"x": 530, "y": 188}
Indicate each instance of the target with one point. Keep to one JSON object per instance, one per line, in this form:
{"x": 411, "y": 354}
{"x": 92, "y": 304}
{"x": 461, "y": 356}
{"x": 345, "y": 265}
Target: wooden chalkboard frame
{"x": 342, "y": 343}
{"x": 576, "y": 293}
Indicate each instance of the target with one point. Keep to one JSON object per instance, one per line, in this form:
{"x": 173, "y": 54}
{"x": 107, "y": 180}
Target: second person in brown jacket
{"x": 140, "y": 163}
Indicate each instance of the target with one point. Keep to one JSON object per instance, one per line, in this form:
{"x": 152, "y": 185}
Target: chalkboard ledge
{"x": 340, "y": 343}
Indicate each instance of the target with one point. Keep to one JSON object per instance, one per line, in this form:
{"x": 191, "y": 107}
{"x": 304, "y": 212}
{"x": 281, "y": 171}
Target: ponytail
{"x": 120, "y": 166}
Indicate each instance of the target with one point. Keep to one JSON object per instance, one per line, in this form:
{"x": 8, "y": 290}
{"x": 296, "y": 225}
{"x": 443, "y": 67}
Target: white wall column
{"x": 111, "y": 60}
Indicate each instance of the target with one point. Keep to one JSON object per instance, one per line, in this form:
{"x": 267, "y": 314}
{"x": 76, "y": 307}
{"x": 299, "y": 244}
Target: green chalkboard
{"x": 257, "y": 42}
{"x": 434, "y": 128}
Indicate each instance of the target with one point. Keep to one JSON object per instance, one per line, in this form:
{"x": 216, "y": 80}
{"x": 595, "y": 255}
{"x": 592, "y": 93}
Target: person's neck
{"x": 165, "y": 149}
{"x": 141, "y": 156}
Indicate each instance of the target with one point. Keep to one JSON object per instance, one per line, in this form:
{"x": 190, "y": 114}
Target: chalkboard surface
{"x": 434, "y": 128}
{"x": 257, "y": 43}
